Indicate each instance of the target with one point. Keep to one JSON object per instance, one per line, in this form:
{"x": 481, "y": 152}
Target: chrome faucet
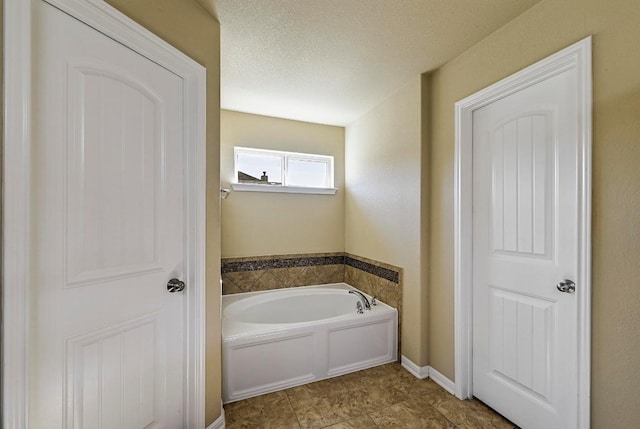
{"x": 363, "y": 298}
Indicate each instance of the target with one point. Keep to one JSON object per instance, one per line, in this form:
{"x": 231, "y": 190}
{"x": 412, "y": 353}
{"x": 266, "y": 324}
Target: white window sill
{"x": 255, "y": 187}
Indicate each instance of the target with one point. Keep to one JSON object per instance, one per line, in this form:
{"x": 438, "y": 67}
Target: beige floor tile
{"x": 317, "y": 389}
{"x": 362, "y": 422}
{"x": 412, "y": 414}
{"x": 386, "y": 396}
{"x": 375, "y": 397}
{"x": 471, "y": 414}
{"x": 272, "y": 411}
{"x": 325, "y": 407}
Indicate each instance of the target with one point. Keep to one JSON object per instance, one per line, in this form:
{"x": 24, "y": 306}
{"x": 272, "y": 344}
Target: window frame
{"x": 284, "y": 187}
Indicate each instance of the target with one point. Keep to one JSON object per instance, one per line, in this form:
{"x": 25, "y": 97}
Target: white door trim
{"x": 16, "y": 194}
{"x": 578, "y": 57}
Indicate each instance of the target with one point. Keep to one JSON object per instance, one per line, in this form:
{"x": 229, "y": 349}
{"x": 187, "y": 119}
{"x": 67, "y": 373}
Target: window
{"x": 263, "y": 170}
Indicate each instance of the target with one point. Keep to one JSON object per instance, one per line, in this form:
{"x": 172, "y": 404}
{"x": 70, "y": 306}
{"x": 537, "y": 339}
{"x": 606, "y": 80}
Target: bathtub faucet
{"x": 363, "y": 298}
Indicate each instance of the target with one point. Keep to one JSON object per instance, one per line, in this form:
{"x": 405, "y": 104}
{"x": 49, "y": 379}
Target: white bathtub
{"x": 286, "y": 337}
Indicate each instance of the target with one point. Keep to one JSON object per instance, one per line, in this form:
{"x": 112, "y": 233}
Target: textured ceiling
{"x": 330, "y": 61}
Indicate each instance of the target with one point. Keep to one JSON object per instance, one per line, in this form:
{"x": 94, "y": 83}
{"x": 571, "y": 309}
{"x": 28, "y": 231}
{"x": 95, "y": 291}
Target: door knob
{"x": 566, "y": 286}
{"x": 175, "y": 285}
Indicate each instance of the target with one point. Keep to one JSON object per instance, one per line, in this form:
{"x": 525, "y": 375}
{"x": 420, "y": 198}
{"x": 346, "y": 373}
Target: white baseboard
{"x": 420, "y": 372}
{"x": 423, "y": 372}
{"x": 443, "y": 381}
{"x": 218, "y": 423}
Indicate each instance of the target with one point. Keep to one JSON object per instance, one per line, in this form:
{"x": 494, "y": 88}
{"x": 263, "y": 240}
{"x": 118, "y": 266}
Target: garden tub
{"x": 277, "y": 339}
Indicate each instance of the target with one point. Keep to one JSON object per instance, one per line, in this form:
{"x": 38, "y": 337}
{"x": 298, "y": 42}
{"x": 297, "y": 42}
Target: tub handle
{"x": 374, "y": 301}
{"x": 359, "y": 307}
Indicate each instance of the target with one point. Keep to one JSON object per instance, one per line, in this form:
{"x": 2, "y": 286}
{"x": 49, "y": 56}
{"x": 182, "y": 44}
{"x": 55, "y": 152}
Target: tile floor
{"x": 386, "y": 396}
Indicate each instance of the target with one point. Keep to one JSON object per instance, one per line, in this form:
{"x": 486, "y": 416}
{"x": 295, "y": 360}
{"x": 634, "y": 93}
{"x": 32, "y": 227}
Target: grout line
{"x": 374, "y": 422}
{"x": 286, "y": 392}
{"x": 445, "y": 417}
{"x": 370, "y": 417}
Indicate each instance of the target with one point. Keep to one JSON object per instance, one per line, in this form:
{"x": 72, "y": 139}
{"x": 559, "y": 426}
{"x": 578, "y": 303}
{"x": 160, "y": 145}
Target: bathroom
{"x": 395, "y": 177}
{"x": 374, "y": 229}
{"x": 370, "y": 231}
{"x": 389, "y": 229}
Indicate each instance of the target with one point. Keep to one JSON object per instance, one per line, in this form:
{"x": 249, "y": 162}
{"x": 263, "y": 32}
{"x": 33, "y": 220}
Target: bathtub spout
{"x": 363, "y": 298}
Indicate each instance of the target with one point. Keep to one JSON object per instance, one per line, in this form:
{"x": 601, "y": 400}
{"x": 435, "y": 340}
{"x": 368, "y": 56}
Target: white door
{"x": 106, "y": 348}
{"x": 525, "y": 229}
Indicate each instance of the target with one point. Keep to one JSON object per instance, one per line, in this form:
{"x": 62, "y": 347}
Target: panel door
{"x": 106, "y": 346}
{"x": 524, "y": 243}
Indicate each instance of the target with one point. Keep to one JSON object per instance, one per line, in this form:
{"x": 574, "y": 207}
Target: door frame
{"x": 17, "y": 149}
{"x": 578, "y": 57}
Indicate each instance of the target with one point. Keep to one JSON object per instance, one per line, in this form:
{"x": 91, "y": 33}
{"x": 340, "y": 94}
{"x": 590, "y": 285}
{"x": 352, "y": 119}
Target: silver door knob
{"x": 175, "y": 285}
{"x": 566, "y": 286}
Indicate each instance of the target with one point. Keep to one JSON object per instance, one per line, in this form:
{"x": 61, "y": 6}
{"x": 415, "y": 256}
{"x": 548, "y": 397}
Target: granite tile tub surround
{"x": 377, "y": 279}
{"x": 258, "y": 273}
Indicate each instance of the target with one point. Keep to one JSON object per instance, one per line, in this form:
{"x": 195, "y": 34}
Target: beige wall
{"x": 260, "y": 223}
{"x": 189, "y": 27}
{"x": 544, "y": 29}
{"x": 383, "y": 200}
